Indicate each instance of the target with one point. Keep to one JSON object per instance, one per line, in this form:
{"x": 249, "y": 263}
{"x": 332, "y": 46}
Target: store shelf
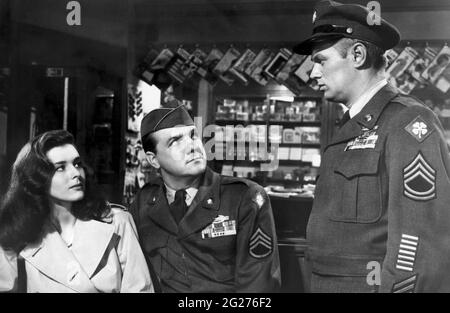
{"x": 270, "y": 122}
{"x": 294, "y": 163}
{"x": 281, "y": 180}
{"x": 300, "y": 145}
{"x": 271, "y": 144}
{"x": 244, "y": 162}
{"x": 298, "y": 163}
{"x": 295, "y": 123}
{"x": 239, "y": 122}
{"x": 274, "y": 112}
{"x": 293, "y": 198}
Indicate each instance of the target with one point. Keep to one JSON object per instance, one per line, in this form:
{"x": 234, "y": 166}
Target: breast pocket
{"x": 359, "y": 180}
{"x": 222, "y": 248}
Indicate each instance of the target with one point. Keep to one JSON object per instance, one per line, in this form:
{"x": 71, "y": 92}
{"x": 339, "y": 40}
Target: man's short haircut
{"x": 375, "y": 54}
{"x": 149, "y": 143}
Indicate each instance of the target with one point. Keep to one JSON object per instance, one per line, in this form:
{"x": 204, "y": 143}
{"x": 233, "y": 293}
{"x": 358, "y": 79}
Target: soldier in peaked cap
{"x": 380, "y": 219}
{"x": 201, "y": 231}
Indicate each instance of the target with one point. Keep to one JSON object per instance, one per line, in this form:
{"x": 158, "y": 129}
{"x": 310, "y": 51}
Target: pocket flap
{"x": 337, "y": 265}
{"x": 359, "y": 162}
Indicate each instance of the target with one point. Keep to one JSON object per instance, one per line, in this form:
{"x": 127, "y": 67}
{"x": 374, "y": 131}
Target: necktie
{"x": 345, "y": 118}
{"x": 178, "y": 207}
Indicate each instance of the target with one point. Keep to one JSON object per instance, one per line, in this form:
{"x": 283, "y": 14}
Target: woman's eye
{"x": 60, "y": 168}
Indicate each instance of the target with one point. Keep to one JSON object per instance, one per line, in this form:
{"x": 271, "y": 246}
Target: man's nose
{"x": 315, "y": 72}
{"x": 189, "y": 144}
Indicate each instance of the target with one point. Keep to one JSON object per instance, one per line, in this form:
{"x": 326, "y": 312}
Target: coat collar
{"x": 204, "y": 207}
{"x": 72, "y": 267}
{"x": 159, "y": 209}
{"x": 368, "y": 117}
{"x": 202, "y": 210}
{"x": 99, "y": 236}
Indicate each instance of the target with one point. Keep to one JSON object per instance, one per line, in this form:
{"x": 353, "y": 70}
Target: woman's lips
{"x": 77, "y": 186}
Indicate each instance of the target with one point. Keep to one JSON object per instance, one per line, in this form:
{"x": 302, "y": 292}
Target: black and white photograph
{"x": 231, "y": 153}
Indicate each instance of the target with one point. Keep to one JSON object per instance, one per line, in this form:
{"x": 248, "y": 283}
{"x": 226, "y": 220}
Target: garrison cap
{"x": 165, "y": 118}
{"x": 332, "y": 19}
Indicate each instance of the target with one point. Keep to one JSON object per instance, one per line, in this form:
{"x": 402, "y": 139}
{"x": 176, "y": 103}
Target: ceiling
{"x": 268, "y": 21}
{"x": 141, "y": 23}
{"x": 110, "y": 20}
{"x": 154, "y": 8}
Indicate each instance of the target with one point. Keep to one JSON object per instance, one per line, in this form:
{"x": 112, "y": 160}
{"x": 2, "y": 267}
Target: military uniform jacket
{"x": 381, "y": 215}
{"x": 226, "y": 242}
{"x": 104, "y": 257}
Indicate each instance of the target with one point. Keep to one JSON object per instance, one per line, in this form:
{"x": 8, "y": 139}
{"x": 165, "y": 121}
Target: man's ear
{"x": 358, "y": 54}
{"x": 151, "y": 157}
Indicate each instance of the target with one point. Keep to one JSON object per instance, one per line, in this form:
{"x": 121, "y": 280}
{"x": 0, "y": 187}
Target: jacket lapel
{"x": 204, "y": 207}
{"x": 91, "y": 242}
{"x": 350, "y": 130}
{"x": 159, "y": 210}
{"x": 368, "y": 117}
{"x": 55, "y": 260}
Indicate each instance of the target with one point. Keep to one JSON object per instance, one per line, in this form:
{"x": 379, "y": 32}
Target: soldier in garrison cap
{"x": 380, "y": 219}
{"x": 201, "y": 231}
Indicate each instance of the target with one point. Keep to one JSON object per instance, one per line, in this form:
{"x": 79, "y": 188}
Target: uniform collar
{"x": 204, "y": 207}
{"x": 190, "y": 194}
{"x": 368, "y": 117}
{"x": 365, "y": 97}
{"x": 202, "y": 210}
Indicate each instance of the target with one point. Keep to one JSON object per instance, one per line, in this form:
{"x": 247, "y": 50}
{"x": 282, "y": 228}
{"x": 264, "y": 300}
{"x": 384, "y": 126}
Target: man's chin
{"x": 197, "y": 166}
{"x": 327, "y": 95}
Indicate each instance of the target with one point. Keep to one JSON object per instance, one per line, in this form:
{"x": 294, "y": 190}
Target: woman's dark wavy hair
{"x": 26, "y": 210}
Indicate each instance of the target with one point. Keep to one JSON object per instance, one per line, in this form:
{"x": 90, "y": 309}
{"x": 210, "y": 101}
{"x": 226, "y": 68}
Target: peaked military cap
{"x": 332, "y": 19}
{"x": 165, "y": 118}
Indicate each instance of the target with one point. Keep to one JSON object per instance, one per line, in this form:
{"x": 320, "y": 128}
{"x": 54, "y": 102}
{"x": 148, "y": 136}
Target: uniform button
{"x": 182, "y": 255}
{"x": 368, "y": 117}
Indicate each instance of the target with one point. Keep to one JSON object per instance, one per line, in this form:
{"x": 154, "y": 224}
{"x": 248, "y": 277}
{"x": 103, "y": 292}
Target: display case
{"x": 273, "y": 140}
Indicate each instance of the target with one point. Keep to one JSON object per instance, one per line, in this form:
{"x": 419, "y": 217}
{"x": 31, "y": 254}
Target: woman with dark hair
{"x": 57, "y": 234}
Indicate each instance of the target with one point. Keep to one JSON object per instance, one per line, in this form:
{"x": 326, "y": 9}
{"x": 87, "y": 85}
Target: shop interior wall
{"x": 115, "y": 34}
{"x": 96, "y": 50}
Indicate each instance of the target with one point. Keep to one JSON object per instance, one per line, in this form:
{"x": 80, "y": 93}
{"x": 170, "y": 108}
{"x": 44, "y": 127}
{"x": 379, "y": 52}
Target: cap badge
{"x": 349, "y": 30}
{"x": 314, "y": 17}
